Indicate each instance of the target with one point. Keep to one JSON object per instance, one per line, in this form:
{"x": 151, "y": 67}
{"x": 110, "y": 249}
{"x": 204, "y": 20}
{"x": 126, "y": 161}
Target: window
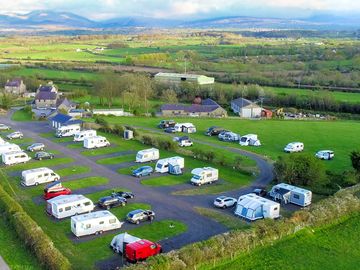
{"x": 87, "y": 226}
{"x": 112, "y": 221}
{"x": 60, "y": 210}
{"x": 101, "y": 222}
{"x": 46, "y": 174}
{"x": 39, "y": 176}
{"x": 87, "y": 203}
{"x": 275, "y": 209}
{"x": 67, "y": 208}
{"x": 296, "y": 196}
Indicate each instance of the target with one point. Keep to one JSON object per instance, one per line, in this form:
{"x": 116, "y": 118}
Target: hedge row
{"x": 226, "y": 246}
{"x": 32, "y": 235}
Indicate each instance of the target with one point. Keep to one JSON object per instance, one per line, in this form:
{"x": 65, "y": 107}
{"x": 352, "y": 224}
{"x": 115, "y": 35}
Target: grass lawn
{"x": 116, "y": 160}
{"x": 86, "y": 182}
{"x": 102, "y": 151}
{"x": 22, "y": 116}
{"x": 41, "y": 163}
{"x": 75, "y": 146}
{"x": 334, "y": 247}
{"x": 47, "y": 135}
{"x": 63, "y": 139}
{"x": 167, "y": 180}
{"x": 73, "y": 170}
{"x": 22, "y": 141}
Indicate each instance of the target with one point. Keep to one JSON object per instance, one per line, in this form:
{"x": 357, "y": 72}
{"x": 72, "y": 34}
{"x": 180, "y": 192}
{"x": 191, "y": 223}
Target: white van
{"x": 147, "y": 155}
{"x": 96, "y": 142}
{"x": 162, "y": 166}
{"x": 206, "y": 175}
{"x": 17, "y": 157}
{"x": 67, "y": 131}
{"x": 294, "y": 147}
{"x": 69, "y": 205}
{"x": 38, "y": 176}
{"x": 94, "y": 223}
{"x": 249, "y": 139}
{"x": 9, "y": 147}
{"x": 79, "y": 137}
{"x": 185, "y": 127}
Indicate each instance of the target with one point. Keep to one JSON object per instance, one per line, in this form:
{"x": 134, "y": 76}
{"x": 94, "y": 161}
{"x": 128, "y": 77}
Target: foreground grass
{"x": 116, "y": 160}
{"x": 87, "y": 182}
{"x": 73, "y": 170}
{"x": 21, "y": 116}
{"x": 167, "y": 180}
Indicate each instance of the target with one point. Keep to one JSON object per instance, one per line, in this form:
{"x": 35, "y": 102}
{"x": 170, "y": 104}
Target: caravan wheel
{"x": 36, "y": 183}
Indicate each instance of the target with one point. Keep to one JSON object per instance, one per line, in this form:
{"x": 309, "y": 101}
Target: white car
{"x": 224, "y": 202}
{"x": 325, "y": 154}
{"x": 185, "y": 143}
{"x": 4, "y": 127}
{"x": 15, "y": 135}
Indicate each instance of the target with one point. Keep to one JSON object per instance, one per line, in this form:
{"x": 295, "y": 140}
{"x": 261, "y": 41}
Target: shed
{"x": 60, "y": 120}
{"x": 246, "y": 108}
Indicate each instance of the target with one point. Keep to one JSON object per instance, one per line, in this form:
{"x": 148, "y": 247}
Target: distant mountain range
{"x": 45, "y": 19}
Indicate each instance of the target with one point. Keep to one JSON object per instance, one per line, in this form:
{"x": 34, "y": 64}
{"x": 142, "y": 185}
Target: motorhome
{"x": 94, "y": 223}
{"x": 147, "y": 155}
{"x": 9, "y": 147}
{"x": 67, "y": 131}
{"x": 185, "y": 127}
{"x": 294, "y": 147}
{"x": 38, "y": 176}
{"x": 96, "y": 142}
{"x": 162, "y": 166}
{"x": 11, "y": 158}
{"x": 79, "y": 137}
{"x": 119, "y": 241}
{"x": 286, "y": 193}
{"x": 253, "y": 207}
{"x": 206, "y": 175}
{"x": 249, "y": 139}
{"x": 69, "y": 205}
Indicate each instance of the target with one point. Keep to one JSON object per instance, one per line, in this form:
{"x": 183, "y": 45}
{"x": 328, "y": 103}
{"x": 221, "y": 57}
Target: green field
{"x": 73, "y": 170}
{"x": 21, "y": 116}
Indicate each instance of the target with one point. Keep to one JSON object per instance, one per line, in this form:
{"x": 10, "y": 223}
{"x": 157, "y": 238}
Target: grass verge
{"x": 73, "y": 170}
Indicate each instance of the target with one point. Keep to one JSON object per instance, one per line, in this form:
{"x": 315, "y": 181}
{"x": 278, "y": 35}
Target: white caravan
{"x": 185, "y": 127}
{"x": 94, "y": 223}
{"x": 2, "y": 142}
{"x": 121, "y": 240}
{"x": 67, "y": 131}
{"x": 96, "y": 142}
{"x": 286, "y": 193}
{"x": 69, "y": 205}
{"x": 147, "y": 155}
{"x": 249, "y": 139}
{"x": 205, "y": 175}
{"x": 253, "y": 207}
{"x": 294, "y": 147}
{"x": 38, "y": 176}
{"x": 162, "y": 166}
{"x": 9, "y": 147}
{"x": 79, "y": 137}
{"x": 17, "y": 157}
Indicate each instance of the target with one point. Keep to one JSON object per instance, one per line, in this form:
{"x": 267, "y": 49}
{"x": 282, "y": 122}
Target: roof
{"x": 178, "y": 75}
{"x": 139, "y": 244}
{"x": 46, "y": 96}
{"x": 65, "y": 102}
{"x": 189, "y": 108}
{"x": 283, "y": 186}
{"x": 148, "y": 150}
{"x": 253, "y": 201}
{"x": 199, "y": 171}
{"x": 72, "y": 122}
{"x": 61, "y": 118}
{"x": 209, "y": 101}
{"x": 93, "y": 215}
{"x": 65, "y": 199}
{"x": 14, "y": 83}
{"x": 243, "y": 102}
{"x": 45, "y": 88}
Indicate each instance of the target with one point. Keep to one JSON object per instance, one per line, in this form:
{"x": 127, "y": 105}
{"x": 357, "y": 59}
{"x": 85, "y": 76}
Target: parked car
{"x": 4, "y": 127}
{"x": 224, "y": 202}
{"x": 143, "y": 171}
{"x": 213, "y": 131}
{"x": 15, "y": 135}
{"x": 166, "y": 123}
{"x": 170, "y": 130}
{"x": 260, "y": 192}
{"x": 124, "y": 194}
{"x": 111, "y": 201}
{"x": 36, "y": 147}
{"x": 325, "y": 154}
{"x": 43, "y": 155}
{"x": 185, "y": 143}
{"x": 55, "y": 189}
{"x": 140, "y": 215}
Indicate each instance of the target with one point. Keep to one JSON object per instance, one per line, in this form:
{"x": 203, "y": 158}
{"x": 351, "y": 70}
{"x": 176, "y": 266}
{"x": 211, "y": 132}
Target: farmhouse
{"x": 60, "y": 120}
{"x": 207, "y": 108}
{"x": 46, "y": 96}
{"x": 178, "y": 78}
{"x": 245, "y": 108}
{"x": 65, "y": 104}
{"x": 15, "y": 87}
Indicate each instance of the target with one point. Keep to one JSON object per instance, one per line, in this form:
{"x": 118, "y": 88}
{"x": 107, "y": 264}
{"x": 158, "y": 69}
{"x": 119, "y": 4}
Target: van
{"x": 12, "y": 158}
{"x": 147, "y": 155}
{"x": 38, "y": 176}
{"x": 94, "y": 223}
{"x": 162, "y": 166}
{"x": 294, "y": 147}
{"x": 9, "y": 147}
{"x": 96, "y": 142}
{"x": 67, "y": 131}
{"x": 141, "y": 250}
{"x": 69, "y": 205}
{"x": 249, "y": 139}
{"x": 185, "y": 127}
{"x": 79, "y": 137}
{"x": 206, "y": 175}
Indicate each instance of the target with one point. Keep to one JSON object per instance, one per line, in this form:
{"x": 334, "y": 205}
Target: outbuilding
{"x": 245, "y": 108}
{"x": 176, "y": 78}
{"x": 60, "y": 120}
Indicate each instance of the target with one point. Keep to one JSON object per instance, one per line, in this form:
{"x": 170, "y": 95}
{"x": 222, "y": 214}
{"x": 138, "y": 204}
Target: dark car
{"x": 143, "y": 171}
{"x": 124, "y": 194}
{"x": 111, "y": 201}
{"x": 166, "y": 123}
{"x": 170, "y": 130}
{"x": 140, "y": 215}
{"x": 214, "y": 131}
{"x": 43, "y": 155}
{"x": 260, "y": 192}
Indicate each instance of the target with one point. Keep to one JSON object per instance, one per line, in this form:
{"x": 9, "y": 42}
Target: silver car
{"x": 4, "y": 127}
{"x": 224, "y": 202}
{"x": 36, "y": 147}
{"x": 15, "y": 135}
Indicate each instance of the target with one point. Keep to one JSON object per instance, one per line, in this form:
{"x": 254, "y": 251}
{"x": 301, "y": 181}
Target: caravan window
{"x": 112, "y": 221}
{"x": 159, "y": 166}
{"x": 67, "y": 208}
{"x": 296, "y": 196}
{"x": 209, "y": 175}
{"x": 53, "y": 174}
{"x": 60, "y": 210}
{"x": 39, "y": 176}
{"x": 87, "y": 203}
{"x": 78, "y": 205}
{"x": 88, "y": 226}
{"x": 46, "y": 174}
{"x": 101, "y": 222}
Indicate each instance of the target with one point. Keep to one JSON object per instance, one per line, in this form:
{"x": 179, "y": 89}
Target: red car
{"x": 141, "y": 250}
{"x": 55, "y": 189}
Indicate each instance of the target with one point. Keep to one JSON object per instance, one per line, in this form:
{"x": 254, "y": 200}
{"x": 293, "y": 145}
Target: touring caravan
{"x": 286, "y": 193}
{"x": 147, "y": 155}
{"x": 162, "y": 166}
{"x": 249, "y": 139}
{"x": 2, "y": 142}
{"x": 185, "y": 127}
{"x": 11, "y": 158}
{"x": 68, "y": 205}
{"x": 94, "y": 223}
{"x": 67, "y": 131}
{"x": 294, "y": 147}
{"x": 253, "y": 207}
{"x": 205, "y": 175}
{"x": 9, "y": 147}
{"x": 38, "y": 176}
{"x": 79, "y": 137}
{"x": 96, "y": 142}
{"x": 119, "y": 241}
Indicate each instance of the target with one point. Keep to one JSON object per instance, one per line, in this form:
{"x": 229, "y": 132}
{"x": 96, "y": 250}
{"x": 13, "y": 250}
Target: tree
{"x": 169, "y": 96}
{"x": 355, "y": 160}
{"x": 6, "y": 101}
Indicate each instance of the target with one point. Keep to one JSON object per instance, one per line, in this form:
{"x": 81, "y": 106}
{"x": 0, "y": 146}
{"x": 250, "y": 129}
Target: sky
{"x": 181, "y": 9}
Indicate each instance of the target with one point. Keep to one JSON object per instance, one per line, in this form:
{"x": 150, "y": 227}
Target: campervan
{"x": 96, "y": 142}
{"x": 119, "y": 241}
{"x": 68, "y": 205}
{"x": 286, "y": 193}
{"x": 253, "y": 207}
{"x": 249, "y": 139}
{"x": 94, "y": 223}
{"x": 79, "y": 137}
{"x": 185, "y": 127}
{"x": 38, "y": 176}
{"x": 9, "y": 147}
{"x": 11, "y": 158}
{"x": 205, "y": 175}
{"x": 162, "y": 166}
{"x": 67, "y": 131}
{"x": 147, "y": 155}
{"x": 294, "y": 147}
